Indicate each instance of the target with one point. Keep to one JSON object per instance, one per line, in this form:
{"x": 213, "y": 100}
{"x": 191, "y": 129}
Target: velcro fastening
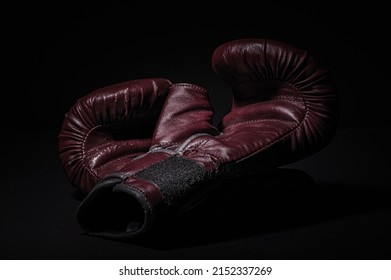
{"x": 175, "y": 177}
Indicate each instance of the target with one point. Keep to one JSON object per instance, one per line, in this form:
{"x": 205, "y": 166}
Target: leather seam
{"x": 189, "y": 86}
{"x": 283, "y": 97}
{"x": 88, "y": 168}
{"x": 256, "y": 121}
{"x": 295, "y": 128}
{"x": 300, "y": 124}
{"x": 169, "y": 144}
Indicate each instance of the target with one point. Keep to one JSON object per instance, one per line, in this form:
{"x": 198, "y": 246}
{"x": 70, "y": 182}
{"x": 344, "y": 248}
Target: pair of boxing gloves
{"x": 146, "y": 148}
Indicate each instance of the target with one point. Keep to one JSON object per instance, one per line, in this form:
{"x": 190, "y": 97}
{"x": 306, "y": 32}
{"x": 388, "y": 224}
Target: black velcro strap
{"x": 175, "y": 177}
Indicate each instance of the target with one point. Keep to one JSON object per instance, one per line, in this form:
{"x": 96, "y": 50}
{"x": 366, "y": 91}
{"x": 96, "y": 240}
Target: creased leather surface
{"x": 187, "y": 111}
{"x": 109, "y": 127}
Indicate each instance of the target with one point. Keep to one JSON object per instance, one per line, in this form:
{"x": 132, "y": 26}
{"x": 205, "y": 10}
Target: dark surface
{"x": 333, "y": 205}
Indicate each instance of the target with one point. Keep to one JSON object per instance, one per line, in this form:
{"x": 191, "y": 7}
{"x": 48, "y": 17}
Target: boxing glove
{"x": 110, "y": 126}
{"x": 284, "y": 109}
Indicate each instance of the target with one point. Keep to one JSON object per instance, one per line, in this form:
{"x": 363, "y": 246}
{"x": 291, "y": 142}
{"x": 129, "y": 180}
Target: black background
{"x": 57, "y": 53}
{"x": 52, "y": 54}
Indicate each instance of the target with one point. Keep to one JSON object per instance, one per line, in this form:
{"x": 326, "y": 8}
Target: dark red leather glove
{"x": 284, "y": 109}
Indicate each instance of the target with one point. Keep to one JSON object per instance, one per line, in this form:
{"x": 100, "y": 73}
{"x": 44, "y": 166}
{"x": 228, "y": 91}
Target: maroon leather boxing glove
{"x": 284, "y": 109}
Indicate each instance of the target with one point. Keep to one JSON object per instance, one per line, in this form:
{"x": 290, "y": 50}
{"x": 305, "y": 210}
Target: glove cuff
{"x": 122, "y": 207}
{"x": 115, "y": 210}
